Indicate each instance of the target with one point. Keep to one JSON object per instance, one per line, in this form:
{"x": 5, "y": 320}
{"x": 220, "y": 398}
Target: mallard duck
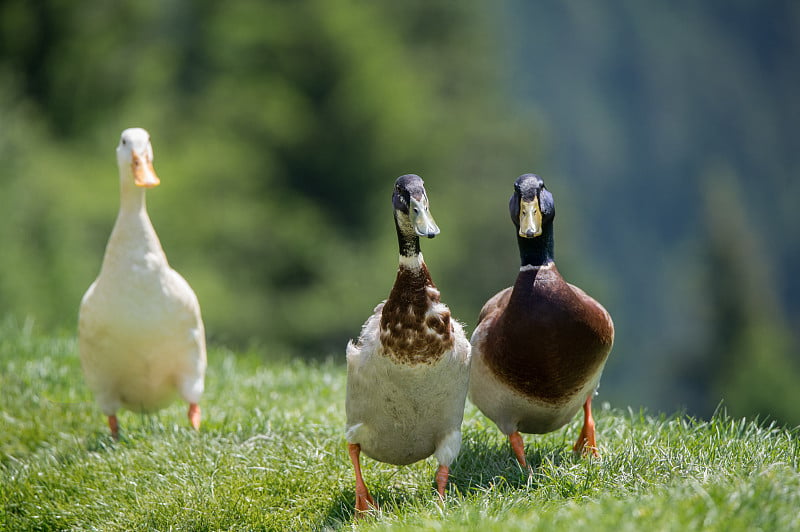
{"x": 407, "y": 373}
{"x": 140, "y": 333}
{"x": 540, "y": 346}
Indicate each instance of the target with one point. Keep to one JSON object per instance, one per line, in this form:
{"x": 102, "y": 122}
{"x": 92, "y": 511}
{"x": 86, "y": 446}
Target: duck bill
{"x": 421, "y": 219}
{"x": 530, "y": 218}
{"x": 144, "y": 175}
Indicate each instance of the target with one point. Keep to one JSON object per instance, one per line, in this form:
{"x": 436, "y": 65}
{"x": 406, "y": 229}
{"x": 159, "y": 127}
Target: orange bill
{"x": 144, "y": 175}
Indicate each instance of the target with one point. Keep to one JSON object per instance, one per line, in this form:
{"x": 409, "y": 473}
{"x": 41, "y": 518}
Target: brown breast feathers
{"x": 549, "y": 339}
{"x": 415, "y": 327}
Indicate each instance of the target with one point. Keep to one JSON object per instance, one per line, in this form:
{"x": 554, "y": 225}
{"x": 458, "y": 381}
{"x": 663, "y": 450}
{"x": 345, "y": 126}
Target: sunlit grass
{"x": 271, "y": 455}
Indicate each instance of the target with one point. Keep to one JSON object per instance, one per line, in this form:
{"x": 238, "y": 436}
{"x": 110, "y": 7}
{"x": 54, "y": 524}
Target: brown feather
{"x": 548, "y": 337}
{"x": 410, "y": 332}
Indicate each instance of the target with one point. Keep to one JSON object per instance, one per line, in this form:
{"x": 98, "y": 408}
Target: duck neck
{"x": 410, "y": 292}
{"x": 412, "y": 271}
{"x": 133, "y": 232}
{"x": 131, "y": 198}
{"x": 538, "y": 251}
{"x": 413, "y": 278}
{"x": 413, "y": 263}
{"x": 409, "y": 246}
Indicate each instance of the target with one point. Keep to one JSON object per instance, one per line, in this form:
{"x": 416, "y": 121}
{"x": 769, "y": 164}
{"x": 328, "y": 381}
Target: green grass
{"x": 271, "y": 455}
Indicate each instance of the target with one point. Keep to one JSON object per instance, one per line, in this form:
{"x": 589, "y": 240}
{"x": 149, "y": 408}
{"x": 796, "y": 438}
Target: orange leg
{"x": 363, "y": 498}
{"x": 518, "y": 447}
{"x": 194, "y": 415}
{"x": 114, "y": 426}
{"x": 442, "y": 474}
{"x": 587, "y": 443}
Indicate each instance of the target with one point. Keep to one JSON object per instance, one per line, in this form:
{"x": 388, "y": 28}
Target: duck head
{"x": 412, "y": 216}
{"x": 135, "y": 158}
{"x": 532, "y": 211}
{"x": 531, "y": 206}
{"x": 411, "y": 209}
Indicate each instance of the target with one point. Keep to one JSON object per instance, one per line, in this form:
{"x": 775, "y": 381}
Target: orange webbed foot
{"x": 587, "y": 442}
{"x": 518, "y": 446}
{"x": 194, "y": 415}
{"x": 364, "y": 501}
{"x": 442, "y": 474}
{"x": 114, "y": 426}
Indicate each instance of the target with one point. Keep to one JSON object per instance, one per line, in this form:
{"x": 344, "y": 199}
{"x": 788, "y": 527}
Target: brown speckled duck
{"x": 407, "y": 374}
{"x": 540, "y": 346}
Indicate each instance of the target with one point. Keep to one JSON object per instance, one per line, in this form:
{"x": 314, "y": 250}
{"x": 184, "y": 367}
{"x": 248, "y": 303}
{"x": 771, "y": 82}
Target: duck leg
{"x": 587, "y": 443}
{"x": 194, "y": 415}
{"x": 114, "y": 426}
{"x": 442, "y": 474}
{"x": 364, "y": 500}
{"x": 518, "y": 446}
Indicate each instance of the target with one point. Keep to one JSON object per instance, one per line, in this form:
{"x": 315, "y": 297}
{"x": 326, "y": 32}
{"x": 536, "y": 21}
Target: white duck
{"x": 140, "y": 334}
{"x": 407, "y": 374}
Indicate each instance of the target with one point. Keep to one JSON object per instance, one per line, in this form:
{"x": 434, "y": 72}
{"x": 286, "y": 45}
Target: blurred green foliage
{"x": 278, "y": 130}
{"x": 665, "y": 131}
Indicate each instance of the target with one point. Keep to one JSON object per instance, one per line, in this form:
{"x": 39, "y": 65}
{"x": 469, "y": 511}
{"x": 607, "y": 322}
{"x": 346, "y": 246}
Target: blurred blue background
{"x": 666, "y": 132}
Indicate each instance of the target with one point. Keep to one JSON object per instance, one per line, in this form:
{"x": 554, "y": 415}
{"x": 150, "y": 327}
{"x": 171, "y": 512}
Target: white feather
{"x": 402, "y": 413}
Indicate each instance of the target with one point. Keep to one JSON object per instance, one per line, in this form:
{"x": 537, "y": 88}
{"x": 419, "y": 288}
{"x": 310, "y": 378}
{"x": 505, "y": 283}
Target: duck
{"x": 540, "y": 346}
{"x": 408, "y": 371}
{"x": 141, "y": 337}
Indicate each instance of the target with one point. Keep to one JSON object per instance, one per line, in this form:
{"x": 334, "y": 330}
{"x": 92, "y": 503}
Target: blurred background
{"x": 667, "y": 133}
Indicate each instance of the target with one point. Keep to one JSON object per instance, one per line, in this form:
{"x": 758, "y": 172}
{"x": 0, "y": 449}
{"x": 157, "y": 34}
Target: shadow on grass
{"x": 101, "y": 441}
{"x": 483, "y": 465}
{"x": 389, "y": 499}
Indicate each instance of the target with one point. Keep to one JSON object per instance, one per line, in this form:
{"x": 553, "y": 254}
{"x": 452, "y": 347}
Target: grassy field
{"x": 271, "y": 455}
